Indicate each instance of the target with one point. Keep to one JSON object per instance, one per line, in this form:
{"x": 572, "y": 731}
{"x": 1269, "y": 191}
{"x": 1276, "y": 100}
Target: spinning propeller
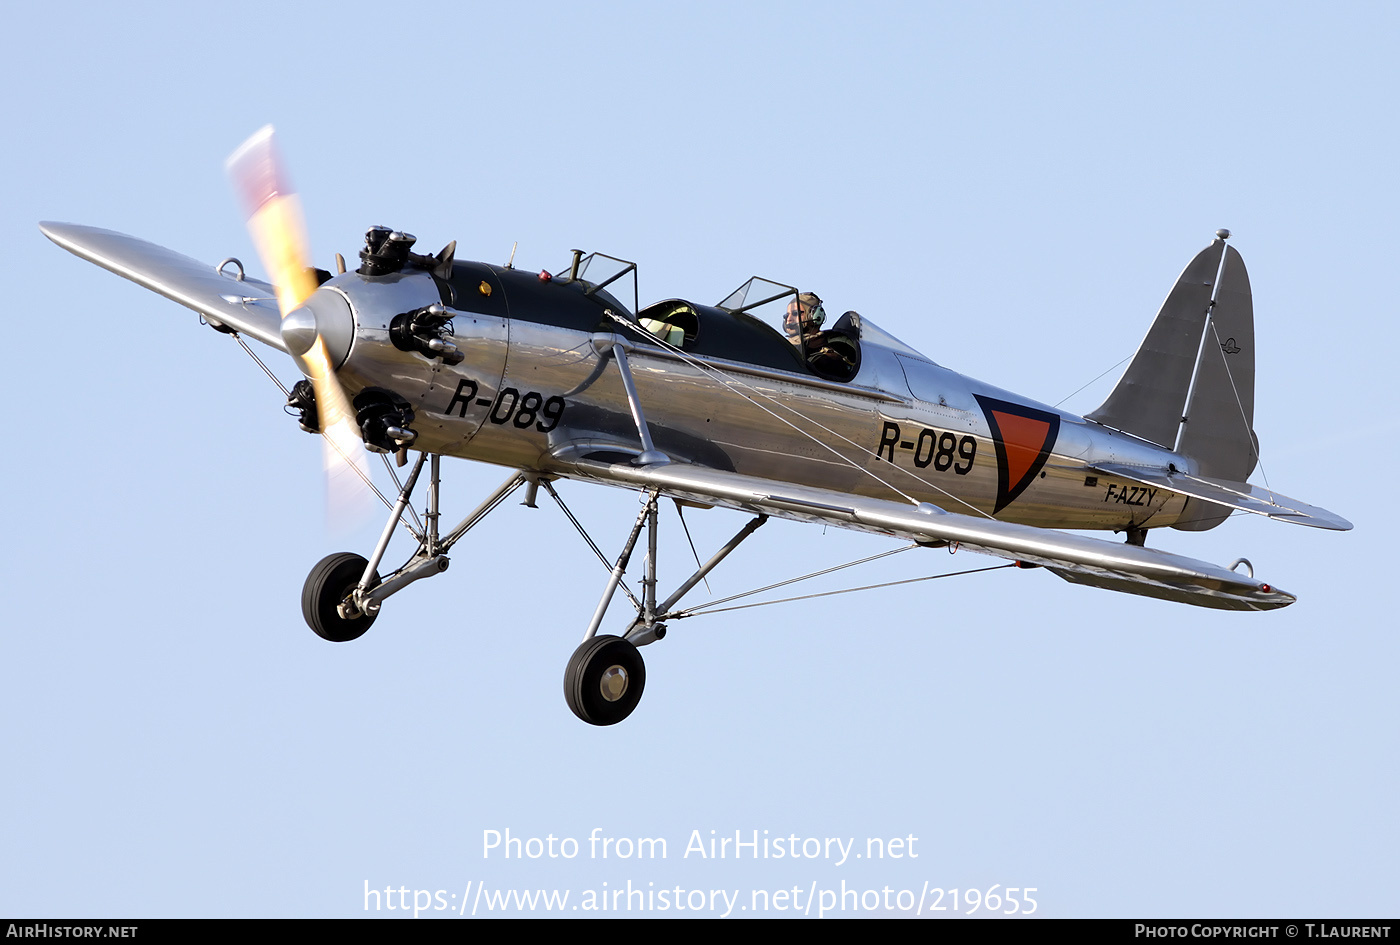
{"x": 278, "y": 229}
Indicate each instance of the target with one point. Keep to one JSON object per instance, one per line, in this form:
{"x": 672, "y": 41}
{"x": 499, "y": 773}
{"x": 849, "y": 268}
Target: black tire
{"x": 326, "y": 586}
{"x": 603, "y": 656}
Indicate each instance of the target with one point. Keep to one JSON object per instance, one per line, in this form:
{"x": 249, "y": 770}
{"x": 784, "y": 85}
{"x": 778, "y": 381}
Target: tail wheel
{"x": 328, "y": 584}
{"x": 604, "y": 680}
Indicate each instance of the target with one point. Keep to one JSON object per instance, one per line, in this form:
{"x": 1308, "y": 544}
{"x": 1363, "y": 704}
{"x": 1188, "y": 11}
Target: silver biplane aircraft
{"x": 553, "y": 377}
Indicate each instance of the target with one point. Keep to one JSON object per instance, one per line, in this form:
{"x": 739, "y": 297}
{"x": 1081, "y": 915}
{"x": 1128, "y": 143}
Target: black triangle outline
{"x": 1007, "y": 492}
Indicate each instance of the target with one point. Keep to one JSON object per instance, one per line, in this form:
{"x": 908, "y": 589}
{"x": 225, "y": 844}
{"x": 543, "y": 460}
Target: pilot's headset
{"x": 815, "y": 313}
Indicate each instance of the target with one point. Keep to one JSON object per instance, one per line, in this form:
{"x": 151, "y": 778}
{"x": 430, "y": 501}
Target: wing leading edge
{"x": 1093, "y": 561}
{"x": 248, "y": 306}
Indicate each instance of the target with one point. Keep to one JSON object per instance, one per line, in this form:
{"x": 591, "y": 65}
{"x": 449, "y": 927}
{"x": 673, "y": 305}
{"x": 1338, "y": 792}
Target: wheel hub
{"x": 613, "y": 683}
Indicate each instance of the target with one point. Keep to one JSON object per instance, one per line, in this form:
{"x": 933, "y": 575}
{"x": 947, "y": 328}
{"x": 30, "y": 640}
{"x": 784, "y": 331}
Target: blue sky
{"x": 1010, "y": 188}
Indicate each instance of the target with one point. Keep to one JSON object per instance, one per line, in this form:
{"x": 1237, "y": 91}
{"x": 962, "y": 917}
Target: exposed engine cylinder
{"x": 426, "y": 330}
{"x": 385, "y": 420}
{"x": 385, "y": 252}
{"x": 302, "y": 402}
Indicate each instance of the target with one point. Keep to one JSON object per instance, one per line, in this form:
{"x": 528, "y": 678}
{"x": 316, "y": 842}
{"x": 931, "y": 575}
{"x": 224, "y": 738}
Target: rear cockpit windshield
{"x": 742, "y": 328}
{"x": 828, "y": 349}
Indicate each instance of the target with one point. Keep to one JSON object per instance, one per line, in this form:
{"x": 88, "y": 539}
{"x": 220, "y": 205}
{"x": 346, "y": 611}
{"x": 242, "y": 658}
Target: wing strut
{"x": 650, "y": 454}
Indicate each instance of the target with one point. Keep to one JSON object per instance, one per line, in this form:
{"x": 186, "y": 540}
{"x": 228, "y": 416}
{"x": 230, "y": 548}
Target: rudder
{"x": 1190, "y": 386}
{"x": 1217, "y": 429}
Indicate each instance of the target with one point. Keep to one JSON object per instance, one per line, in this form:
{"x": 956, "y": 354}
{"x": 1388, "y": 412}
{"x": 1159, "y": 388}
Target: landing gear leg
{"x": 647, "y": 517}
{"x": 344, "y": 592}
{"x": 604, "y": 679}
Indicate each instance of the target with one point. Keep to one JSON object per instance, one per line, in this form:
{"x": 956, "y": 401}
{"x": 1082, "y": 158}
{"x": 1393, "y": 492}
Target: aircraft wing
{"x": 1081, "y": 560}
{"x": 248, "y": 306}
{"x": 1244, "y": 496}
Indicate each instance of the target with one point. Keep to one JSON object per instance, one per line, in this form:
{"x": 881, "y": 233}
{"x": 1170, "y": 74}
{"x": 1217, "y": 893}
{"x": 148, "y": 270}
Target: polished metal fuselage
{"x": 540, "y": 397}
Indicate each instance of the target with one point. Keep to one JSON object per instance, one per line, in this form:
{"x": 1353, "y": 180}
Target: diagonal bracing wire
{"x": 734, "y": 383}
{"x": 286, "y": 393}
{"x": 708, "y": 608}
{"x": 578, "y": 526}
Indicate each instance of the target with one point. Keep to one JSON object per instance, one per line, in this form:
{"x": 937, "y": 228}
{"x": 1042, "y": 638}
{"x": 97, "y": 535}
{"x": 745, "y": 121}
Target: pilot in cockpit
{"x": 804, "y": 317}
{"x": 802, "y": 325}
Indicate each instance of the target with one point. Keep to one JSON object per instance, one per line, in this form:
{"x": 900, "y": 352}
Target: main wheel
{"x": 329, "y": 583}
{"x": 604, "y": 680}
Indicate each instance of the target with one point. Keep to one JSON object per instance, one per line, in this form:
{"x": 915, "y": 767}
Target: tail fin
{"x": 1190, "y": 387}
{"x": 1217, "y": 429}
{"x": 1151, "y": 396}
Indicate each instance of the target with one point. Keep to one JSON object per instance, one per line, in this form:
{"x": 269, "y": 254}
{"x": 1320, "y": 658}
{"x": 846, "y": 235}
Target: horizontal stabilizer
{"x": 1244, "y": 496}
{"x": 1115, "y": 565}
{"x": 248, "y": 306}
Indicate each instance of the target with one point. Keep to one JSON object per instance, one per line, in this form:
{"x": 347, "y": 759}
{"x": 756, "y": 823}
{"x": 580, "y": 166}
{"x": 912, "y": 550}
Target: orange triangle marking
{"x": 1023, "y": 438}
